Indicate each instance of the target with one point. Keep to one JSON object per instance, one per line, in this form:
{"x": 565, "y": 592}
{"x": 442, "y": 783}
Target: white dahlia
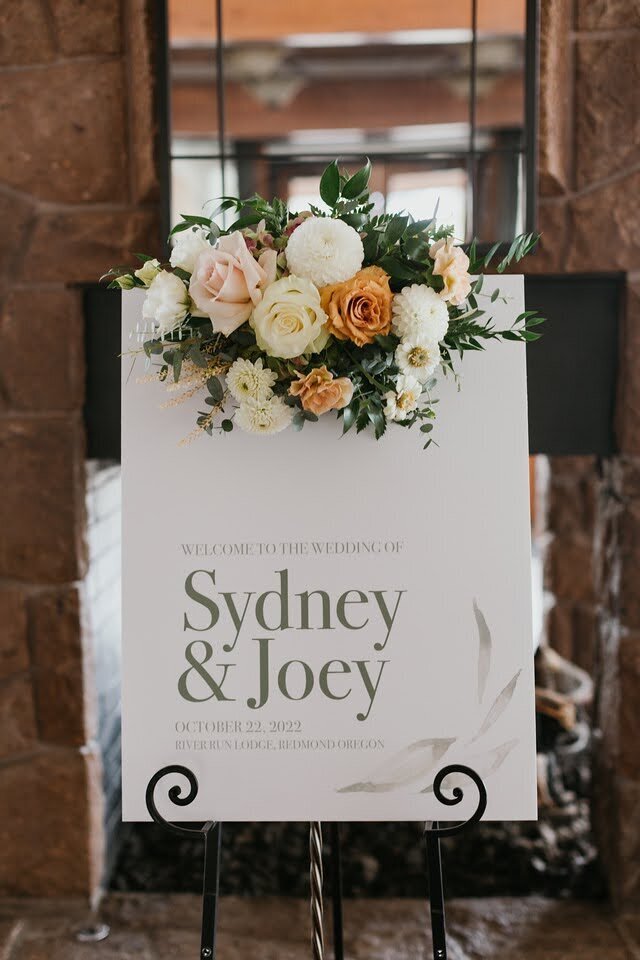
{"x": 324, "y": 251}
{"x": 263, "y": 416}
{"x": 418, "y": 357}
{"x": 399, "y": 403}
{"x": 419, "y": 311}
{"x": 246, "y": 379}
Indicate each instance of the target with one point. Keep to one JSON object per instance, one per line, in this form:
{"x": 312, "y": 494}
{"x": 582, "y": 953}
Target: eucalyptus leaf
{"x": 195, "y": 354}
{"x": 215, "y": 389}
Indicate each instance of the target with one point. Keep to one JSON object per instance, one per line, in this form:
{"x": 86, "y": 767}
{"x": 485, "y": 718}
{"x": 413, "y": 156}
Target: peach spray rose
{"x": 320, "y": 392}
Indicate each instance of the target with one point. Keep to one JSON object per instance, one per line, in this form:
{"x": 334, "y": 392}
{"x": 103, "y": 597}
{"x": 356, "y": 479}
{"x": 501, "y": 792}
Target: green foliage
{"x": 188, "y": 223}
{"x": 330, "y": 184}
{"x": 398, "y": 244}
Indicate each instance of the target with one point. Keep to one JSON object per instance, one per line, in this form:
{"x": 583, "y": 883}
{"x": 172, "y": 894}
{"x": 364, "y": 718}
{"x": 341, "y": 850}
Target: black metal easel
{"x": 211, "y": 832}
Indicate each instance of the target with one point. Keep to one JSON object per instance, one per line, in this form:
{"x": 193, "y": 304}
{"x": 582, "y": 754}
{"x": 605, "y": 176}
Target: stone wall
{"x": 78, "y": 192}
{"x": 589, "y": 213}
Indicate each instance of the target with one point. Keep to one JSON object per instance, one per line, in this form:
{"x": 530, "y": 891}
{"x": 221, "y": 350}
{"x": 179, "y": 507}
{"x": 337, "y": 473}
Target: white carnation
{"x": 263, "y": 416}
{"x": 419, "y": 311}
{"x": 399, "y": 403}
{"x": 167, "y": 303}
{"x": 246, "y": 379}
{"x": 324, "y": 251}
{"x": 187, "y": 247}
{"x": 418, "y": 357}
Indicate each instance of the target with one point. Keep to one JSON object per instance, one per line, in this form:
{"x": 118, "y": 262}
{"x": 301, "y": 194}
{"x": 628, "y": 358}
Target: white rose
{"x": 187, "y": 247}
{"x": 289, "y": 320}
{"x": 167, "y": 303}
{"x": 148, "y": 272}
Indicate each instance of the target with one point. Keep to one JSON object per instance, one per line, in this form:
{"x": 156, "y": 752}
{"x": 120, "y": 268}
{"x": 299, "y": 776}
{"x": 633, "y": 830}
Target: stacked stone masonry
{"x": 78, "y": 191}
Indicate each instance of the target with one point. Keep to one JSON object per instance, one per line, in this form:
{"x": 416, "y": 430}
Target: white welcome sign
{"x": 316, "y": 625}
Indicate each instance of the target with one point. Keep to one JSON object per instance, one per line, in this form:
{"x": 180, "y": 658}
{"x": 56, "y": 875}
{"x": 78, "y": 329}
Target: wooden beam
{"x": 193, "y": 21}
{"x": 344, "y": 104}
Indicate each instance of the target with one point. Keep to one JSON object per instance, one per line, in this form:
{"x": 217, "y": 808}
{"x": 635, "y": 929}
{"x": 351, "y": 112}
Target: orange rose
{"x": 359, "y": 309}
{"x": 319, "y": 392}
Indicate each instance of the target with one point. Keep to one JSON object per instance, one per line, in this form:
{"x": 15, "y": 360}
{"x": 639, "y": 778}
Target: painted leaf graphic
{"x": 484, "y": 764}
{"x": 410, "y": 764}
{"x": 498, "y": 707}
{"x": 484, "y": 650}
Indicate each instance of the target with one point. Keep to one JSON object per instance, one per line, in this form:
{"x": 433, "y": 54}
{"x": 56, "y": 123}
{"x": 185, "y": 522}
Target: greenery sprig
{"x": 371, "y": 374}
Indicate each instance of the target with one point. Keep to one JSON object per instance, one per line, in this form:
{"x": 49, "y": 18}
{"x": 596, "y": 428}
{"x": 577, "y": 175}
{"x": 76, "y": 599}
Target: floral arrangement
{"x": 284, "y": 316}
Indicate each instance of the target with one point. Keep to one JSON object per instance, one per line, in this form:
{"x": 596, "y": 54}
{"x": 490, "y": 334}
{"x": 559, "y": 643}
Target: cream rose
{"x": 227, "y": 282}
{"x": 289, "y": 320}
{"x": 452, "y": 264}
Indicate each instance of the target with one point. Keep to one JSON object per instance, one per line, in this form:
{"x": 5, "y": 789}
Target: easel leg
{"x": 336, "y": 890}
{"x": 212, "y": 842}
{"x": 316, "y": 884}
{"x": 436, "y": 895}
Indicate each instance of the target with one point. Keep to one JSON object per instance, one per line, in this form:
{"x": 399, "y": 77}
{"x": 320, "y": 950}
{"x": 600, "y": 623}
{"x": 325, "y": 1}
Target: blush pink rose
{"x": 227, "y": 282}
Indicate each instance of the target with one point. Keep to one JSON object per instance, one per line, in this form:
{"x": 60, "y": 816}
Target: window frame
{"x": 528, "y": 152}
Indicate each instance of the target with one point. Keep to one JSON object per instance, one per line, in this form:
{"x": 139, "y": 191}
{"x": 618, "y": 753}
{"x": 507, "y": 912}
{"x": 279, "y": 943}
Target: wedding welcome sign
{"x": 314, "y": 624}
